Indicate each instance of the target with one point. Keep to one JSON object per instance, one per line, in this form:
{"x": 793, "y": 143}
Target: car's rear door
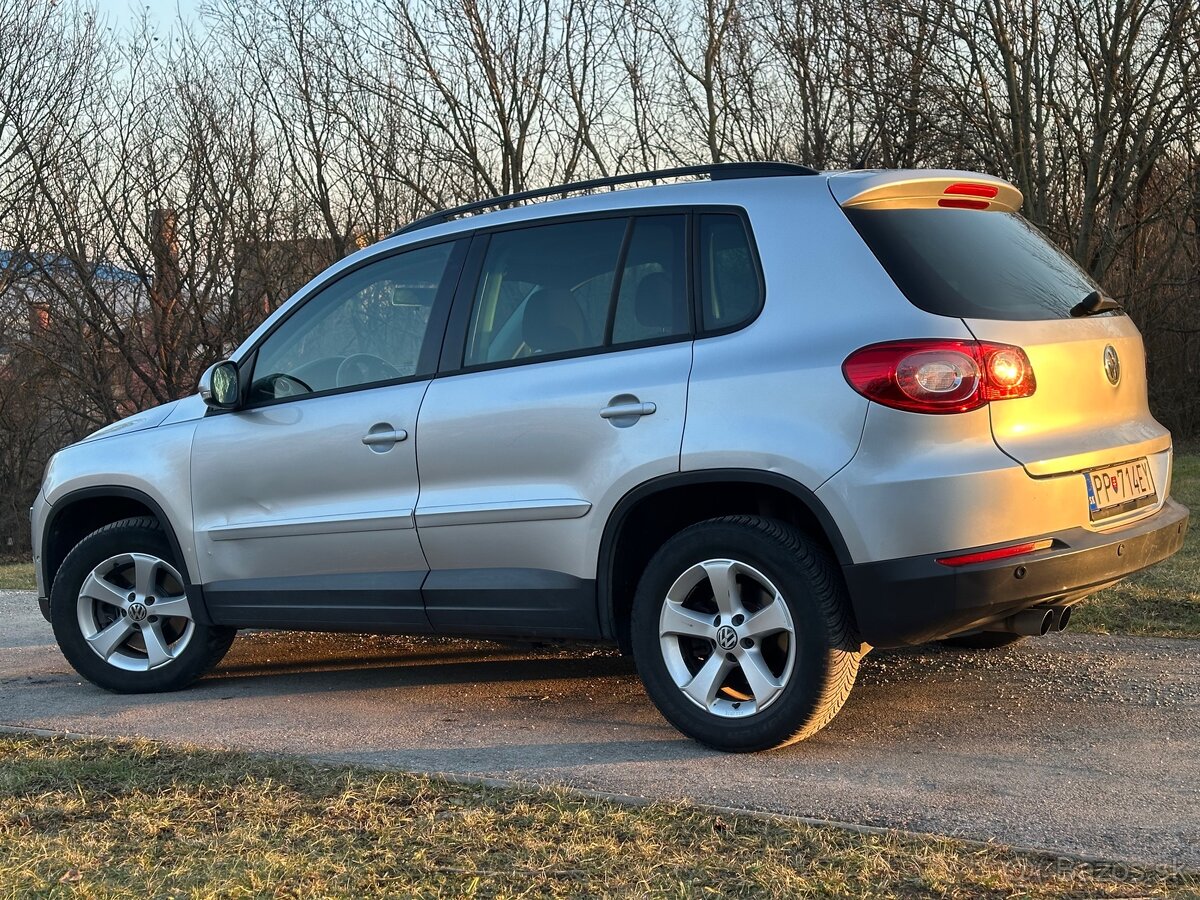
{"x": 570, "y": 349}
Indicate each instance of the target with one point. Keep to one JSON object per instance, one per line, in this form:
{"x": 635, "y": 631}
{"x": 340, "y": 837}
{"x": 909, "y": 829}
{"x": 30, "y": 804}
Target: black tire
{"x": 982, "y": 640}
{"x": 204, "y": 649}
{"x": 827, "y": 649}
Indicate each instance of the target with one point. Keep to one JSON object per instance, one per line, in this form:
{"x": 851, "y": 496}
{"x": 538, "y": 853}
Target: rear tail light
{"x": 939, "y": 376}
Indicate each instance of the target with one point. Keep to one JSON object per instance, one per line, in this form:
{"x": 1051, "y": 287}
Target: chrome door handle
{"x": 390, "y": 436}
{"x": 628, "y": 410}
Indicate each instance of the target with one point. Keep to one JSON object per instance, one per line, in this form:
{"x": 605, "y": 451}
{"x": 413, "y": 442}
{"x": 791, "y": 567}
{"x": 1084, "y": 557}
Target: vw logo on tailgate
{"x": 1112, "y": 364}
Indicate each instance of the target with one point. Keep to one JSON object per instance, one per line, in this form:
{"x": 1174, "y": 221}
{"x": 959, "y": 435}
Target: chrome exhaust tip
{"x": 1033, "y": 622}
{"x": 1062, "y": 615}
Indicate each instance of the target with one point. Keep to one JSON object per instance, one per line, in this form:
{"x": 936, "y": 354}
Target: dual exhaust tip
{"x": 1036, "y": 622}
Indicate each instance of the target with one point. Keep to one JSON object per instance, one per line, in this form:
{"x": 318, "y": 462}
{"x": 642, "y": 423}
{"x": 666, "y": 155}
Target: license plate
{"x": 1119, "y": 489}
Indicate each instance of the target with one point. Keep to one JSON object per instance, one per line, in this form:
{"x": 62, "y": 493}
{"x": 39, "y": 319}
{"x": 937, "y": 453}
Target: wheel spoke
{"x": 724, "y": 585}
{"x": 677, "y": 619}
{"x": 704, "y": 686}
{"x": 763, "y": 685}
{"x": 770, "y": 619}
{"x": 156, "y": 644}
{"x": 172, "y": 607}
{"x": 144, "y": 569}
{"x": 97, "y": 588}
{"x": 109, "y": 638}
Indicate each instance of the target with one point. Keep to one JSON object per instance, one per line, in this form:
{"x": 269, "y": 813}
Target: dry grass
{"x": 138, "y": 819}
{"x": 17, "y": 576}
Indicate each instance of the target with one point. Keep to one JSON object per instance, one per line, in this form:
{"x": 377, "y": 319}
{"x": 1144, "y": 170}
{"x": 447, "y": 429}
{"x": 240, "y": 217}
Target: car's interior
{"x": 548, "y": 290}
{"x": 365, "y": 328}
{"x": 542, "y": 291}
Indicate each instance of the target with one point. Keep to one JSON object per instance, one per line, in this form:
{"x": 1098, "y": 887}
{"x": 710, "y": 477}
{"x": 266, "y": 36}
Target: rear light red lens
{"x": 971, "y": 189}
{"x": 939, "y": 376}
{"x": 959, "y": 191}
{"x": 1009, "y": 373}
{"x": 999, "y": 553}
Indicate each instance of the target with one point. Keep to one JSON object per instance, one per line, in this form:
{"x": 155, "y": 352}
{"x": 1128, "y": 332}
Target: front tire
{"x": 121, "y": 615}
{"x": 742, "y": 636}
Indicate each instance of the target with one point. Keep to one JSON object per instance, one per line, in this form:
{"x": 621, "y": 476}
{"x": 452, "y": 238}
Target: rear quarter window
{"x": 730, "y": 289}
{"x": 973, "y": 264}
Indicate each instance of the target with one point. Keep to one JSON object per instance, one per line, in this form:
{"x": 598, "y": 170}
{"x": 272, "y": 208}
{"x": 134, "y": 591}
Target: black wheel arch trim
{"x": 194, "y": 591}
{"x": 616, "y": 520}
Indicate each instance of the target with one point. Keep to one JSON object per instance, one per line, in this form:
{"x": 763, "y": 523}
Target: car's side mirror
{"x": 220, "y": 387}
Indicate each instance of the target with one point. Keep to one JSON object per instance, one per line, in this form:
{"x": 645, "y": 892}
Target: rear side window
{"x": 652, "y": 301}
{"x": 578, "y": 286}
{"x": 729, "y": 287}
{"x": 971, "y": 264}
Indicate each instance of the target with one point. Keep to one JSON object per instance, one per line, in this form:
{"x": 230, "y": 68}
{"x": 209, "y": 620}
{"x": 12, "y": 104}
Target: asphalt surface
{"x": 1074, "y": 743}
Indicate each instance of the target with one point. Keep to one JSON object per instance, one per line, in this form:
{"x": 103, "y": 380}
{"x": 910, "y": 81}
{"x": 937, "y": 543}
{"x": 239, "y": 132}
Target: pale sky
{"x": 120, "y": 13}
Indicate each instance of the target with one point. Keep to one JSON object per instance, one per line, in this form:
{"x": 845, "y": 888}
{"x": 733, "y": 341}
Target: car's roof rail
{"x": 715, "y": 172}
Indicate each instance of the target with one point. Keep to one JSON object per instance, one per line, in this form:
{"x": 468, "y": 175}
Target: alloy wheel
{"x": 727, "y": 638}
{"x": 133, "y": 612}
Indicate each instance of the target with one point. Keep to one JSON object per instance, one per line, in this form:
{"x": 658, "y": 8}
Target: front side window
{"x": 367, "y": 327}
{"x": 578, "y": 286}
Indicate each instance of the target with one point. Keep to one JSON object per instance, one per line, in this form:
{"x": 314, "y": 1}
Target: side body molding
{"x": 507, "y": 511}
{"x": 387, "y": 520}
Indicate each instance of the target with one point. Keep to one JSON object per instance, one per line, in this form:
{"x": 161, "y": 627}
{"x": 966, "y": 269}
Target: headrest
{"x": 654, "y": 304}
{"x": 552, "y": 322}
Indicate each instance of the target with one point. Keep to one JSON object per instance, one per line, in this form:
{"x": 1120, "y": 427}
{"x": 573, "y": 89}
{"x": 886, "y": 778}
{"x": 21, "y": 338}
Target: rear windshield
{"x": 973, "y": 265}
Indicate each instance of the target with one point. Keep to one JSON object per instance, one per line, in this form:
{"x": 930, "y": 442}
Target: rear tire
{"x": 982, "y": 640}
{"x": 742, "y": 636}
{"x": 121, "y": 614}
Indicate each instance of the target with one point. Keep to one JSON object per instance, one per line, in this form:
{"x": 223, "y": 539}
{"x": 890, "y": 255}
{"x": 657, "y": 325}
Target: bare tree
{"x": 163, "y": 189}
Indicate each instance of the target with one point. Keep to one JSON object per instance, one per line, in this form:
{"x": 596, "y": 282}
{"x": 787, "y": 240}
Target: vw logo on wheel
{"x": 138, "y": 612}
{"x": 726, "y": 638}
{"x": 1112, "y": 365}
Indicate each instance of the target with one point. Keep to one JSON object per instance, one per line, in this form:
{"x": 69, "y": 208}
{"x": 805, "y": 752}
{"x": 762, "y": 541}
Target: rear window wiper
{"x": 1094, "y": 303}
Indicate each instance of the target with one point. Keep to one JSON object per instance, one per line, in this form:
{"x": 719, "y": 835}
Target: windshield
{"x": 973, "y": 265}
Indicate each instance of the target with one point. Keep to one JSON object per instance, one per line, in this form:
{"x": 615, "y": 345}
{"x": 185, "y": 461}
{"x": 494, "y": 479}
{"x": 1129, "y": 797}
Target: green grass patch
{"x": 17, "y": 576}
{"x": 1163, "y": 600}
{"x": 128, "y": 819}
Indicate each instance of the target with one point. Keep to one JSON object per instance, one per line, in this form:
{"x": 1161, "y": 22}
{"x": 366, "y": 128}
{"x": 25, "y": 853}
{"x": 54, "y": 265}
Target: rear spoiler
{"x": 924, "y": 190}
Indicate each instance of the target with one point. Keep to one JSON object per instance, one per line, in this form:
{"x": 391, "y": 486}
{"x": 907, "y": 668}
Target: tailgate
{"x": 1077, "y": 419}
{"x": 955, "y": 245}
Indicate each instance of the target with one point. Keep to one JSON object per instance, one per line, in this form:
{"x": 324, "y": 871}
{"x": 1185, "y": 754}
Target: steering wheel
{"x": 279, "y": 385}
{"x": 361, "y": 368}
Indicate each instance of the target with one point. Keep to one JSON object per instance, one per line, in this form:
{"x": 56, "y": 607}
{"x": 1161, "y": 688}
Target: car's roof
{"x": 726, "y": 183}
{"x": 744, "y": 191}
{"x": 684, "y": 193}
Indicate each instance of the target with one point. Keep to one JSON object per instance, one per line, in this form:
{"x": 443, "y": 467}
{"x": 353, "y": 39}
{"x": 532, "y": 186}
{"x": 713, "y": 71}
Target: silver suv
{"x": 747, "y": 426}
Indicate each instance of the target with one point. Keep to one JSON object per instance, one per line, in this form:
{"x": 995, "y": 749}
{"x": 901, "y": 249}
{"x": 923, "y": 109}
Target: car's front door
{"x": 571, "y": 390}
{"x": 303, "y": 499}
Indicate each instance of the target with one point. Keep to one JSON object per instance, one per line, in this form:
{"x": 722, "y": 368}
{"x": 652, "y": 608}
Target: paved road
{"x": 1082, "y": 744}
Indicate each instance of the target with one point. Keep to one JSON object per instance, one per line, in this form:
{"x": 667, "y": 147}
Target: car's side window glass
{"x": 729, "y": 285}
{"x": 544, "y": 289}
{"x": 366, "y": 327}
{"x": 652, "y": 300}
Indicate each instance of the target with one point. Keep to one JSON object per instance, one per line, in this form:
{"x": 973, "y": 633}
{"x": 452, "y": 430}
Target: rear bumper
{"x": 902, "y": 602}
